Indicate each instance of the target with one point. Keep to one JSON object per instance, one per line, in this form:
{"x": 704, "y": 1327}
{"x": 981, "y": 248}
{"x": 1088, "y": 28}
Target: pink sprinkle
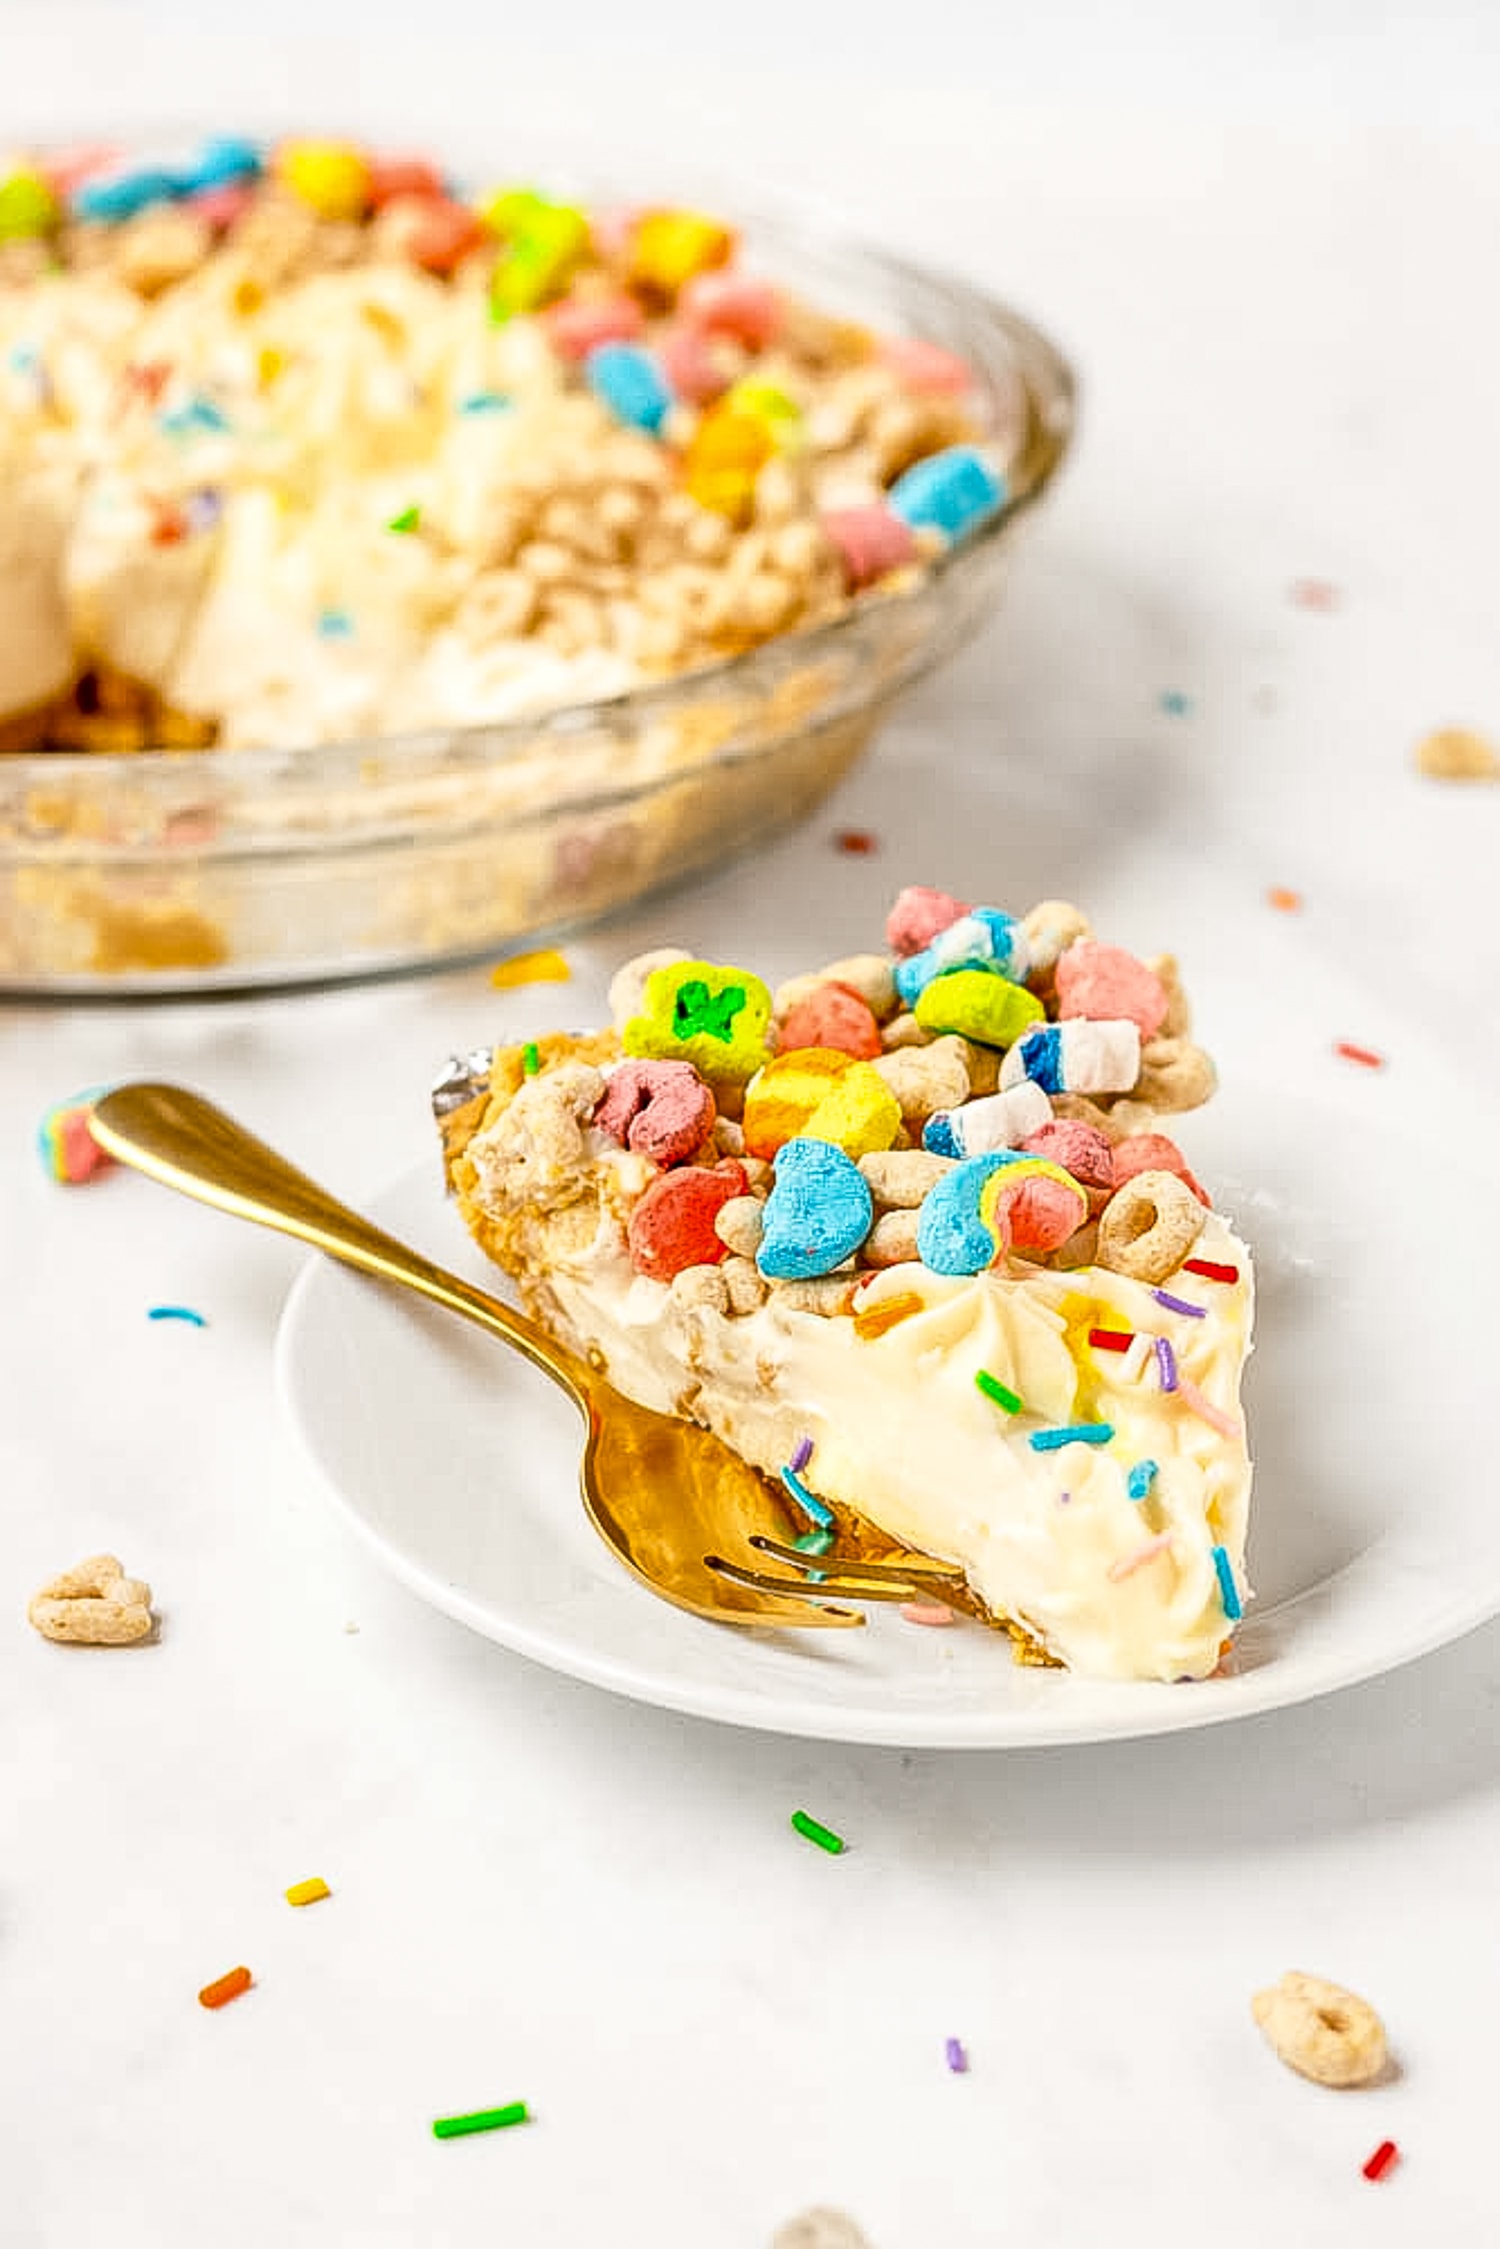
{"x": 1193, "y": 1398}
{"x": 1128, "y": 1564}
{"x": 1315, "y": 593}
{"x": 925, "y": 1612}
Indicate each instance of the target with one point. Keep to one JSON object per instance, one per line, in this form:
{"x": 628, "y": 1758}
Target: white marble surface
{"x": 1287, "y": 346}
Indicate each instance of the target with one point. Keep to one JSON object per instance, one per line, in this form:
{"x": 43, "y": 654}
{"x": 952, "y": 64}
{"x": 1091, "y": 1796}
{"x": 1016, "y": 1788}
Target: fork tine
{"x": 829, "y": 1588}
{"x": 918, "y": 1571}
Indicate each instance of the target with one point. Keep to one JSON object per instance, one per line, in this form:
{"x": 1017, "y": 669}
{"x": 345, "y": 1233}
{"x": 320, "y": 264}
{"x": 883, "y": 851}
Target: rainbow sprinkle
{"x": 480, "y": 2120}
{"x": 1383, "y": 2161}
{"x": 889, "y": 1313}
{"x": 1128, "y": 1564}
{"x": 1180, "y": 1304}
{"x": 1111, "y": 1339}
{"x": 817, "y": 1833}
{"x": 1210, "y": 1270}
{"x": 1142, "y": 1476}
{"x": 177, "y": 1312}
{"x": 996, "y": 1392}
{"x": 1076, "y": 1433}
{"x": 802, "y": 1455}
{"x": 811, "y": 1506}
{"x": 1193, "y": 1398}
{"x": 1366, "y": 1056}
{"x": 1166, "y": 1363}
{"x": 1234, "y": 1608}
{"x": 408, "y": 520}
{"x": 308, "y": 1892}
{"x": 958, "y": 2060}
{"x": 531, "y": 1060}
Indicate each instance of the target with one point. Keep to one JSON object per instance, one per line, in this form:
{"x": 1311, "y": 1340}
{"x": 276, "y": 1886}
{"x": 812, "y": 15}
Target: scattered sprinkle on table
{"x": 817, "y": 1833}
{"x": 1383, "y": 2161}
{"x": 1454, "y": 753}
{"x": 1365, "y": 1056}
{"x": 859, "y": 843}
{"x": 1315, "y": 593}
{"x": 308, "y": 1892}
{"x": 544, "y": 967}
{"x": 1285, "y": 901}
{"x": 531, "y": 1060}
{"x": 996, "y": 1391}
{"x": 926, "y": 1612}
{"x": 177, "y": 1312}
{"x": 1175, "y": 703}
{"x": 958, "y": 2060}
{"x": 226, "y": 1988}
{"x": 480, "y": 2120}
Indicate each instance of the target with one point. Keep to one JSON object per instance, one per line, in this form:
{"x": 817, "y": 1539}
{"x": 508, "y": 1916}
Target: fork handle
{"x": 184, "y": 1141}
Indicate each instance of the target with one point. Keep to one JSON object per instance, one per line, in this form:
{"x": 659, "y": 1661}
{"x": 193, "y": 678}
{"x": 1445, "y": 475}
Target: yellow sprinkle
{"x": 309, "y": 1892}
{"x": 545, "y": 967}
{"x": 269, "y": 365}
{"x": 889, "y": 1313}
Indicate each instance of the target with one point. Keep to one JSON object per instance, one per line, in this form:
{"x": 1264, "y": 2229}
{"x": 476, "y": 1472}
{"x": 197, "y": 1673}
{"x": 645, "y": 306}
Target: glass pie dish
{"x": 172, "y": 871}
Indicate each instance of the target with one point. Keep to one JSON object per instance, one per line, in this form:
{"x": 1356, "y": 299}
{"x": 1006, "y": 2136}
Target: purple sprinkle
{"x": 802, "y": 1455}
{"x": 1180, "y": 1304}
{"x": 958, "y": 2060}
{"x": 1166, "y": 1361}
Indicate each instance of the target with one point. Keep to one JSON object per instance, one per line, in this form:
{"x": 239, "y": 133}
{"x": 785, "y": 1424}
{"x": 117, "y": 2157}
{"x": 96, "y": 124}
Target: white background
{"x": 1268, "y": 237}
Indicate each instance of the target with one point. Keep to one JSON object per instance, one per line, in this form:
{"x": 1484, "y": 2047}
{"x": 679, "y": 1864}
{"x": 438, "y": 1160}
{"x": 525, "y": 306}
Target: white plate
{"x": 1376, "y": 1528}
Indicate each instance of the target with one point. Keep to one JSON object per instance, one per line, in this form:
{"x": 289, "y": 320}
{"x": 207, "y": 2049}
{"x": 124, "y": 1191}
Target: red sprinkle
{"x": 1209, "y": 1270}
{"x": 1364, "y": 1055}
{"x": 1384, "y": 2160}
{"x": 858, "y": 842}
{"x": 1111, "y": 1339}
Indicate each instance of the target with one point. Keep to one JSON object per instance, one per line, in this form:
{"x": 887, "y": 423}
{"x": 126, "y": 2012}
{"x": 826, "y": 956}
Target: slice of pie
{"x": 908, "y": 1235}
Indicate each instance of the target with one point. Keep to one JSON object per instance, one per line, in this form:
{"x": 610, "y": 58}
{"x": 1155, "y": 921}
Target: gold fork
{"x": 663, "y": 1493}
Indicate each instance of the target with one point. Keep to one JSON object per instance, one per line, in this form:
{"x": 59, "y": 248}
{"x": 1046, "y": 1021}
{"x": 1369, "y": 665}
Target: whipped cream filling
{"x": 1113, "y": 1585}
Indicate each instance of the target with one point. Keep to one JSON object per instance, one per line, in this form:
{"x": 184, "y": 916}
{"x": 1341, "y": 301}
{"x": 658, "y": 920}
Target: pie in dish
{"x": 907, "y": 1234}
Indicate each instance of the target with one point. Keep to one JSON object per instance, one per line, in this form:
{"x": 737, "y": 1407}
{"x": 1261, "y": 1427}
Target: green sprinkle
{"x": 997, "y": 1391}
{"x": 407, "y": 520}
{"x": 482, "y": 2120}
{"x": 531, "y": 1061}
{"x": 813, "y": 1542}
{"x": 815, "y": 1832}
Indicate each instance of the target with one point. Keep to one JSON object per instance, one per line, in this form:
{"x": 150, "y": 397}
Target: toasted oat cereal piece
{"x": 1321, "y": 2030}
{"x": 822, "y": 2228}
{"x": 1148, "y": 1226}
{"x": 1454, "y": 753}
{"x": 93, "y": 1605}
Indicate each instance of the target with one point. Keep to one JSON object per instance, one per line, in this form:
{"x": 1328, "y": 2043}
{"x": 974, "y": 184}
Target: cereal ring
{"x": 1148, "y": 1226}
{"x": 1175, "y": 1074}
{"x": 1321, "y": 2030}
{"x": 94, "y": 1605}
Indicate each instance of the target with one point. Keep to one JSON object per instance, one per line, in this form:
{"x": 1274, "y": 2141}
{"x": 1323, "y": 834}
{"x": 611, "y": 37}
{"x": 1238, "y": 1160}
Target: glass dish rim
{"x": 1050, "y": 383}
